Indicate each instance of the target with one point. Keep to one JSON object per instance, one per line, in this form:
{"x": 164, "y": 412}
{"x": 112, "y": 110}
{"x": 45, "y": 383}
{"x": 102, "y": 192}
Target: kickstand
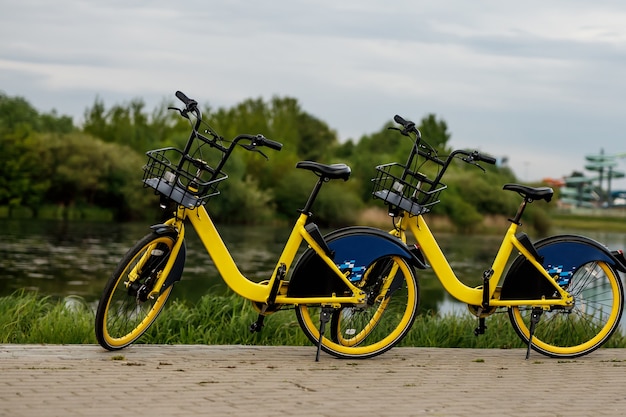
{"x": 257, "y": 325}
{"x": 534, "y": 319}
{"x": 324, "y": 317}
{"x": 481, "y": 327}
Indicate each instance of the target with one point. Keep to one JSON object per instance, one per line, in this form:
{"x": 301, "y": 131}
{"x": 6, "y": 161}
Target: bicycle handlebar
{"x": 190, "y": 104}
{"x": 400, "y": 120}
{"x": 272, "y": 144}
{"x": 472, "y": 157}
{"x": 476, "y": 156}
{"x": 408, "y": 126}
{"x": 259, "y": 140}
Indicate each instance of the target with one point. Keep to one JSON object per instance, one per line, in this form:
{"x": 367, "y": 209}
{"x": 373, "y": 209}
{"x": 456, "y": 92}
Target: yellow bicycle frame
{"x": 457, "y": 289}
{"x": 232, "y": 276}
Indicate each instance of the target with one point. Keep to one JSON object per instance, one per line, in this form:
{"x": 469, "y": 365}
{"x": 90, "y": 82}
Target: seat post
{"x": 518, "y": 216}
{"x": 307, "y": 208}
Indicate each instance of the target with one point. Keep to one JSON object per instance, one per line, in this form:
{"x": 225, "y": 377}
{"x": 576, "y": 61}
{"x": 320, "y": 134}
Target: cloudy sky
{"x": 543, "y": 83}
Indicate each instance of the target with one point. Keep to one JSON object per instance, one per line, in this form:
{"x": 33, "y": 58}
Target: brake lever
{"x": 254, "y": 149}
{"x": 470, "y": 160}
{"x": 407, "y": 130}
{"x": 404, "y": 132}
{"x": 183, "y": 113}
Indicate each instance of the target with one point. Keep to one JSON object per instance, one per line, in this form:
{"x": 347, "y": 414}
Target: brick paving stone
{"x": 190, "y": 380}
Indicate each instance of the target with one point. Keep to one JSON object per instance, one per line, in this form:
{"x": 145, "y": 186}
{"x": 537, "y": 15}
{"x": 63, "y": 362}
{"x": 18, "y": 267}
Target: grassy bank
{"x": 599, "y": 220}
{"x": 613, "y": 223}
{"x": 29, "y": 318}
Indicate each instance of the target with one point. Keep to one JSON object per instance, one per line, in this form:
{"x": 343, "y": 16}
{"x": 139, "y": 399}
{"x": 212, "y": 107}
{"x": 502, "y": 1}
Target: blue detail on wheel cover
{"x": 351, "y": 252}
{"x": 570, "y": 255}
{"x": 561, "y": 258}
{"x": 356, "y": 253}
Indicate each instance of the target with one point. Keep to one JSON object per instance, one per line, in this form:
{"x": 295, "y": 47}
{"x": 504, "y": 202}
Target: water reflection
{"x": 76, "y": 258}
{"x": 59, "y": 258}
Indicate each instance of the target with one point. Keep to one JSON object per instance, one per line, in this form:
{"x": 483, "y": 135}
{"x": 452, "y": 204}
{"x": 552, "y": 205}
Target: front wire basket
{"x": 181, "y": 178}
{"x": 402, "y": 188}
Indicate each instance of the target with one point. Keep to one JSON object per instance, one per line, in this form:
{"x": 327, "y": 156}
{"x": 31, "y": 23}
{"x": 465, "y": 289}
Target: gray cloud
{"x": 540, "y": 83}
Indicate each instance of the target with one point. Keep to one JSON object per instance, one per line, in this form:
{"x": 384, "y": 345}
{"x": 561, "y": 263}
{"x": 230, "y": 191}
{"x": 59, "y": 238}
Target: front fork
{"x": 174, "y": 265}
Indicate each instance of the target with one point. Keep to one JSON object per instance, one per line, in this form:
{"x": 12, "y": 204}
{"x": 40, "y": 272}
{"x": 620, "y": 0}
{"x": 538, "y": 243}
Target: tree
{"x": 130, "y": 125}
{"x": 44, "y": 159}
{"x": 17, "y": 116}
{"x": 22, "y": 181}
{"x": 387, "y": 146}
{"x": 53, "y": 123}
{"x": 96, "y": 122}
{"x": 435, "y": 133}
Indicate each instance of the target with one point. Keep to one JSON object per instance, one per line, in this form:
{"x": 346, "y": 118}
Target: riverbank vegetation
{"x": 594, "y": 221}
{"x": 224, "y": 319}
{"x": 52, "y": 168}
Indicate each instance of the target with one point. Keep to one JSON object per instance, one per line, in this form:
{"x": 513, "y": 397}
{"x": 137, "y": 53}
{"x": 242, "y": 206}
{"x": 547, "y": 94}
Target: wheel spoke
{"x": 598, "y": 300}
{"x": 125, "y": 311}
{"x": 369, "y": 330}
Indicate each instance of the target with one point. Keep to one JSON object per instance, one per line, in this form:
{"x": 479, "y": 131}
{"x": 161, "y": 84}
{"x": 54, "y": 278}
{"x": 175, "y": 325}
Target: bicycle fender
{"x": 163, "y": 229}
{"x": 179, "y": 264}
{"x": 561, "y": 256}
{"x": 354, "y": 250}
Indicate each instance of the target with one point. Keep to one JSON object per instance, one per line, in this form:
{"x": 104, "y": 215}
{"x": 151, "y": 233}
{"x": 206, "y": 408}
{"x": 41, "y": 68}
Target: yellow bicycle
{"x": 563, "y": 293}
{"x": 354, "y": 291}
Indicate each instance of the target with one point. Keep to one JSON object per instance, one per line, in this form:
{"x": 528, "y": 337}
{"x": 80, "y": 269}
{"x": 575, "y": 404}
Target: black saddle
{"x": 333, "y": 171}
{"x": 531, "y": 193}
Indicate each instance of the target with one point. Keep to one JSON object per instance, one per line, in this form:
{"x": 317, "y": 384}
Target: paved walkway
{"x": 183, "y": 380}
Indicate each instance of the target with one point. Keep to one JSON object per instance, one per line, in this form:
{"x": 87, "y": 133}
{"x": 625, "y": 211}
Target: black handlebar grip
{"x": 400, "y": 120}
{"x": 182, "y": 97}
{"x": 488, "y": 159}
{"x": 190, "y": 104}
{"x": 272, "y": 144}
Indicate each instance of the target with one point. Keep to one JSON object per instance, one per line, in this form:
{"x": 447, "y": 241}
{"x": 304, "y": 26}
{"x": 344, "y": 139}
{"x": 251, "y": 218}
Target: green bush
{"x": 462, "y": 214}
{"x": 242, "y": 202}
{"x": 337, "y": 205}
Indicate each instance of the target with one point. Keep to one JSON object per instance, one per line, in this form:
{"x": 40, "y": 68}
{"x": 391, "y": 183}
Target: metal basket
{"x": 181, "y": 178}
{"x": 400, "y": 187}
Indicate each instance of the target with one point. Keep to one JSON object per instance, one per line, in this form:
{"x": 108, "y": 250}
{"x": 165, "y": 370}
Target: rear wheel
{"x": 566, "y": 333}
{"x": 368, "y": 330}
{"x": 125, "y": 311}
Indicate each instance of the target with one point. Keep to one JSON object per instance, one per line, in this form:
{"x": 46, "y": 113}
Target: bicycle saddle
{"x": 333, "y": 171}
{"x": 533, "y": 193}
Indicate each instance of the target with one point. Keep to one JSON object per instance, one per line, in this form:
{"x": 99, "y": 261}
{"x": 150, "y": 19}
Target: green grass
{"x": 613, "y": 223}
{"x": 29, "y": 318}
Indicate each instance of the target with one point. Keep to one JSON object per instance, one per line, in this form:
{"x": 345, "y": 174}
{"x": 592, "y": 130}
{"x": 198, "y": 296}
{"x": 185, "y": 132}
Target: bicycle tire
{"x": 360, "y": 332}
{"x": 561, "y": 333}
{"x": 123, "y": 316}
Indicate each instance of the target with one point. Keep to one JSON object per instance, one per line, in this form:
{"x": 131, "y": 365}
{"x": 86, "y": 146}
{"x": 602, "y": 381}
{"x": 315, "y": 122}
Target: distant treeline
{"x": 46, "y": 161}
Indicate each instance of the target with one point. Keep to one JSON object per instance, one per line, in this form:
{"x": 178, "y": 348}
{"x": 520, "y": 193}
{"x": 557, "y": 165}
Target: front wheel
{"x": 569, "y": 333}
{"x": 125, "y": 311}
{"x": 364, "y": 331}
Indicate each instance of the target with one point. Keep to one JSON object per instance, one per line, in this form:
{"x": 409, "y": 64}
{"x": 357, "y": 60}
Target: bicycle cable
{"x": 430, "y": 151}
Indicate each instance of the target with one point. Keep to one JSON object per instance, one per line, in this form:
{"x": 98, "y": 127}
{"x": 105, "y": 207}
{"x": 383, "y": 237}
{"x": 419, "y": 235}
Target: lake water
{"x": 76, "y": 258}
